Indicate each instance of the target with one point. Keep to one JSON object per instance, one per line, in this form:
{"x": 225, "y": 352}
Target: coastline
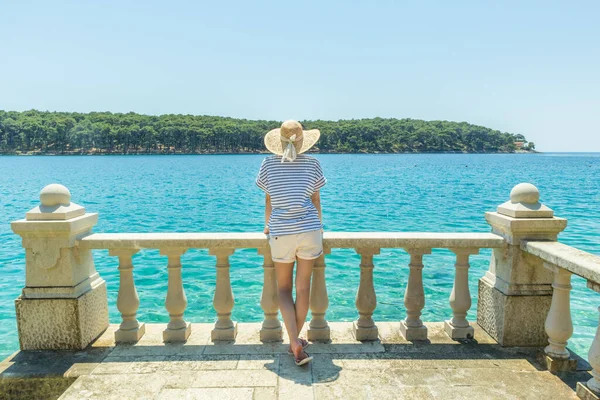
{"x": 176, "y": 153}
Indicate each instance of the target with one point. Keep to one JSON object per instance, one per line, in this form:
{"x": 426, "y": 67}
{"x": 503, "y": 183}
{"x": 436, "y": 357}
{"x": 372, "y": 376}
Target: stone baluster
{"x": 412, "y": 327}
{"x": 594, "y": 360}
{"x": 318, "y": 329}
{"x": 593, "y": 385}
{"x": 128, "y": 301}
{"x": 559, "y": 325}
{"x": 271, "y": 327}
{"x": 460, "y": 298}
{"x": 225, "y": 329}
{"x": 366, "y": 300}
{"x": 178, "y": 330}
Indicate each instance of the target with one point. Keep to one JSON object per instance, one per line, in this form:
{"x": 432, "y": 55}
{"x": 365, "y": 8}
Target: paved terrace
{"x": 390, "y": 368}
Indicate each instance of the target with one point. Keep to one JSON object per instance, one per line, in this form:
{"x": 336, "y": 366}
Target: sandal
{"x": 304, "y": 342}
{"x": 304, "y": 361}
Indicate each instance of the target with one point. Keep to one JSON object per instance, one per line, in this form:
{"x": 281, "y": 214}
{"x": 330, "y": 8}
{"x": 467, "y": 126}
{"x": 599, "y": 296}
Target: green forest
{"x": 38, "y": 132}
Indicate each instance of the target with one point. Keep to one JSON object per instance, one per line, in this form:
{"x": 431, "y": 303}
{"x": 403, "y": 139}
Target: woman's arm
{"x": 267, "y": 213}
{"x": 316, "y": 200}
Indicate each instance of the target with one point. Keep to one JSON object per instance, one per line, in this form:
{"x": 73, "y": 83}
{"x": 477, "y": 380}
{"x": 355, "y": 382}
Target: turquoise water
{"x": 447, "y": 193}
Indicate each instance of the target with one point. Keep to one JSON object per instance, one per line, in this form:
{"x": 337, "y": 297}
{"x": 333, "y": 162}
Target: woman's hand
{"x": 266, "y": 230}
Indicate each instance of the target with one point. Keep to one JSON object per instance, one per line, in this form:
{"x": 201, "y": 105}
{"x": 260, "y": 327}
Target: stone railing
{"x": 565, "y": 261}
{"x": 521, "y": 303}
{"x": 222, "y": 246}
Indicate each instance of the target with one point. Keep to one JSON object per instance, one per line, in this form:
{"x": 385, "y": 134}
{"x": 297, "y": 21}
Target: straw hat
{"x": 291, "y": 134}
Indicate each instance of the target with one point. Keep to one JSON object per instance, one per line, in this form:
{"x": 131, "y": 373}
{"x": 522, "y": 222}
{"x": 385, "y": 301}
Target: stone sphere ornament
{"x": 55, "y": 205}
{"x": 54, "y": 195}
{"x": 525, "y": 203}
{"x": 525, "y": 193}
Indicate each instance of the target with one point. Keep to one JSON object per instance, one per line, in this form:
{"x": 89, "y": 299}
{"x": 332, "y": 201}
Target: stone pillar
{"x": 63, "y": 304}
{"x": 460, "y": 298}
{"x": 128, "y": 301}
{"x": 318, "y": 329}
{"x": 178, "y": 329}
{"x": 412, "y": 327}
{"x": 225, "y": 329}
{"x": 366, "y": 300}
{"x": 559, "y": 325}
{"x": 591, "y": 389}
{"x": 515, "y": 294}
{"x": 271, "y": 327}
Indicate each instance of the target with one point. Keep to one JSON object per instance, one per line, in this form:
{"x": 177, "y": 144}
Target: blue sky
{"x": 530, "y": 67}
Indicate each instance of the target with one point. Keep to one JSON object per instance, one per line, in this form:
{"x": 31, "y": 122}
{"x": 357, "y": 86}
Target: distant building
{"x": 519, "y": 145}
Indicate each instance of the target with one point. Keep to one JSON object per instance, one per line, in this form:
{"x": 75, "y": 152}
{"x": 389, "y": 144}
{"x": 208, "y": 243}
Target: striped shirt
{"x": 291, "y": 185}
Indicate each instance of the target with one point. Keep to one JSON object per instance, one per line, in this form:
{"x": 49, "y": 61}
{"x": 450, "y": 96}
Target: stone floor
{"x": 247, "y": 369}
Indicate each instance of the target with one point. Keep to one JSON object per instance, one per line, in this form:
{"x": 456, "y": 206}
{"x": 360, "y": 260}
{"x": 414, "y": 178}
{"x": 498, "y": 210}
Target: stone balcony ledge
{"x": 248, "y": 369}
{"x": 575, "y": 261}
{"x": 257, "y": 240}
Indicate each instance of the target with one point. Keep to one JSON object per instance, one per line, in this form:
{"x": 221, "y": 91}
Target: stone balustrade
{"x": 523, "y": 297}
{"x": 564, "y": 261}
{"x": 223, "y": 245}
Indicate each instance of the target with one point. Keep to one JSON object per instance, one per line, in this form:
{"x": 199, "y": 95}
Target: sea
{"x": 365, "y": 192}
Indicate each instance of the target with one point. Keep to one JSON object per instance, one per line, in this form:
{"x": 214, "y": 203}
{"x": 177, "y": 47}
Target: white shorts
{"x": 306, "y": 246}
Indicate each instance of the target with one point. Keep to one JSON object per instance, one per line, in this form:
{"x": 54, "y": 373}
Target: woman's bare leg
{"x": 284, "y": 273}
{"x": 303, "y": 274}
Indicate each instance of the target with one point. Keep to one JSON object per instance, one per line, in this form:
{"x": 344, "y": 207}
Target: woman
{"x": 292, "y": 182}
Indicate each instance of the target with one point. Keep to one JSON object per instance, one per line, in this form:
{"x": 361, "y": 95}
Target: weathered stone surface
{"x": 246, "y": 349}
{"x": 224, "y": 335}
{"x": 512, "y": 320}
{"x": 259, "y": 362}
{"x": 319, "y": 334}
{"x": 207, "y": 393}
{"x": 51, "y": 258}
{"x": 576, "y": 261}
{"x": 437, "y": 368}
{"x": 131, "y": 336}
{"x": 294, "y": 382}
{"x": 62, "y": 323}
{"x": 177, "y": 335}
{"x": 213, "y": 362}
{"x": 271, "y": 335}
{"x": 365, "y": 334}
{"x": 508, "y": 384}
{"x": 412, "y": 334}
{"x": 79, "y": 369}
{"x": 33, "y": 387}
{"x": 560, "y": 365}
{"x": 516, "y": 273}
{"x": 516, "y": 229}
{"x": 584, "y": 393}
{"x": 457, "y": 332}
{"x": 235, "y": 378}
{"x": 380, "y": 392}
{"x": 264, "y": 393}
{"x": 112, "y": 367}
{"x": 117, "y": 387}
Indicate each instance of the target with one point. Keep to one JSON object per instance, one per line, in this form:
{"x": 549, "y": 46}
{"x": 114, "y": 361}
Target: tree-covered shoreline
{"x": 52, "y": 133}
